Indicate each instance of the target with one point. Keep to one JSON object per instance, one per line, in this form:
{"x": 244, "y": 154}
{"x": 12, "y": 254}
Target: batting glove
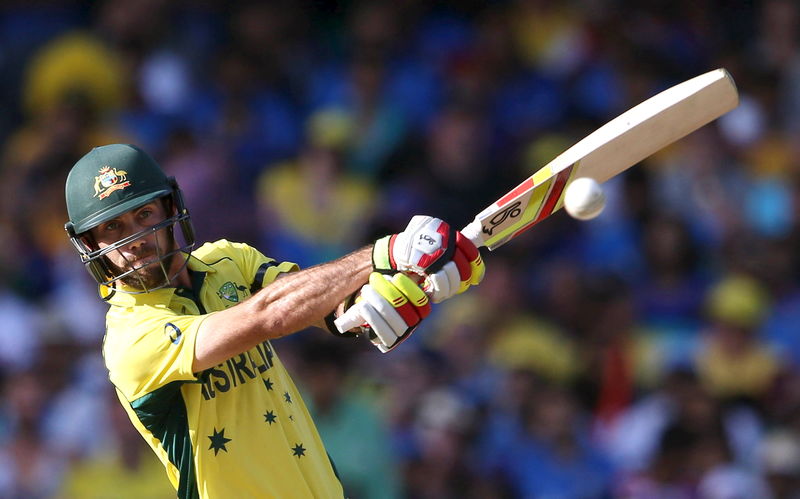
{"x": 464, "y": 270}
{"x": 425, "y": 246}
{"x": 387, "y": 310}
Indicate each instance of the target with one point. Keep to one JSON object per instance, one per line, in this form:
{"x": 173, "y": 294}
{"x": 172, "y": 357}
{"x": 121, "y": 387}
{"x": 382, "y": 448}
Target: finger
{"x": 381, "y": 334}
{"x": 416, "y": 296}
{"x": 386, "y": 290}
{"x": 464, "y": 268}
{"x": 464, "y": 271}
{"x": 478, "y": 270}
{"x": 473, "y": 256}
{"x": 445, "y": 283}
{"x": 385, "y": 308}
{"x": 468, "y": 247}
{"x": 453, "y": 277}
{"x": 437, "y": 286}
{"x": 383, "y": 285}
{"x": 350, "y": 319}
{"x": 384, "y": 320}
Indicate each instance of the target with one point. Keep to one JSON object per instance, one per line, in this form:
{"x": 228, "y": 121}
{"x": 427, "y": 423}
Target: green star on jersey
{"x": 298, "y": 450}
{"x": 287, "y": 397}
{"x": 268, "y": 384}
{"x": 218, "y": 441}
{"x": 270, "y": 417}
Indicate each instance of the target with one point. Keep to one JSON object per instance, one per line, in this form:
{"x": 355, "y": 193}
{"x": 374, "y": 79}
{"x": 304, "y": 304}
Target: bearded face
{"x": 139, "y": 247}
{"x": 147, "y": 270}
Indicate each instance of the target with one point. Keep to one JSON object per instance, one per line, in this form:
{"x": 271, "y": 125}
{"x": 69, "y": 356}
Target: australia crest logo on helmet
{"x": 109, "y": 180}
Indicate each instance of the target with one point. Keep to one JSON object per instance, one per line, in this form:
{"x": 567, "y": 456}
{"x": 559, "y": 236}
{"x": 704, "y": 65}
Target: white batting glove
{"x": 464, "y": 270}
{"x": 387, "y": 310}
{"x": 426, "y": 244}
{"x": 444, "y": 284}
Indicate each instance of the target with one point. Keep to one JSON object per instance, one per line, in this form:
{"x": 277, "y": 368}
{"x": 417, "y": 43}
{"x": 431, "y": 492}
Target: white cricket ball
{"x": 584, "y": 198}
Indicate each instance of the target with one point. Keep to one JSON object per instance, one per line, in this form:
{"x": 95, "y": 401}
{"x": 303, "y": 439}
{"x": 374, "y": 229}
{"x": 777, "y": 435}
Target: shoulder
{"x": 147, "y": 346}
{"x": 251, "y": 263}
{"x": 127, "y": 326}
{"x": 214, "y": 253}
{"x": 222, "y": 248}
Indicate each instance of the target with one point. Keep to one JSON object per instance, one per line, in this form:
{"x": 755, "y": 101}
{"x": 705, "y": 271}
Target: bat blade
{"x": 611, "y": 149}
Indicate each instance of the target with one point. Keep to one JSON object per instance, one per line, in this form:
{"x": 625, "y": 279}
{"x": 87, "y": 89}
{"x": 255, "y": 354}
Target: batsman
{"x": 188, "y": 331}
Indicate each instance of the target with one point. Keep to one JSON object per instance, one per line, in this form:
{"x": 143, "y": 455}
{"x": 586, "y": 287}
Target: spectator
{"x": 733, "y": 361}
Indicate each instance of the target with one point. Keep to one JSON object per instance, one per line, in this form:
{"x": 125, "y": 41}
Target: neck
{"x": 182, "y": 279}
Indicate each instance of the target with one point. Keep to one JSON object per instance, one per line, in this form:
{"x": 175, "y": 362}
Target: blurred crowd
{"x": 653, "y": 352}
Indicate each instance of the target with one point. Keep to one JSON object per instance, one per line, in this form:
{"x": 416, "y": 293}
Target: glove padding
{"x": 425, "y": 246}
{"x": 388, "y": 309}
{"x": 464, "y": 270}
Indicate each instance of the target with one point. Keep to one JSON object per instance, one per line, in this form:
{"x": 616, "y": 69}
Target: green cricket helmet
{"x": 112, "y": 180}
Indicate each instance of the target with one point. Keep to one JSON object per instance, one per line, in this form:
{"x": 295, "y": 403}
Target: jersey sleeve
{"x": 260, "y": 269}
{"x": 149, "y": 348}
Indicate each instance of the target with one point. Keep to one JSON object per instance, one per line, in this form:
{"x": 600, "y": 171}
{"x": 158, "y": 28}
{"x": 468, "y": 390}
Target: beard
{"x": 152, "y": 275}
{"x": 147, "y": 276}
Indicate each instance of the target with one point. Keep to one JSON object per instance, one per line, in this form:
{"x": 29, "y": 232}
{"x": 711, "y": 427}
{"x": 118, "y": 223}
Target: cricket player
{"x": 188, "y": 331}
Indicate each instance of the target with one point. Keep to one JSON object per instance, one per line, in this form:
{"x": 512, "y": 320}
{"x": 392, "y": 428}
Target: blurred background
{"x": 652, "y": 352}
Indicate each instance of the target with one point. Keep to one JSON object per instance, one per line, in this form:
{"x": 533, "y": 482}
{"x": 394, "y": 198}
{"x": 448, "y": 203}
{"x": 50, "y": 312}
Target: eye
{"x": 145, "y": 213}
{"x": 111, "y": 226}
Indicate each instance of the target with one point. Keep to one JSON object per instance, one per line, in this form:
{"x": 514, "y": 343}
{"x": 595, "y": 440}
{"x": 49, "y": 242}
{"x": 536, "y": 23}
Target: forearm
{"x": 291, "y": 303}
{"x": 304, "y": 298}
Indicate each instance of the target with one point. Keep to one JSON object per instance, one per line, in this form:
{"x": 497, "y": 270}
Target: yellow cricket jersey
{"x": 237, "y": 430}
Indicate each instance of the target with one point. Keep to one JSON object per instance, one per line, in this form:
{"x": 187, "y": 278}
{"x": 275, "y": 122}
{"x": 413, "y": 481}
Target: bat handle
{"x": 350, "y": 319}
{"x": 473, "y": 231}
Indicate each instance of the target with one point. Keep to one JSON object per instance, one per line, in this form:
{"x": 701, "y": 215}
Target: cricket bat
{"x": 608, "y": 151}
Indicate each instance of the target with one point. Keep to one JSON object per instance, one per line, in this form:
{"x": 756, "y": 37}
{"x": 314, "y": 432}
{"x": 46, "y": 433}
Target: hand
{"x": 388, "y": 309}
{"x": 425, "y": 246}
{"x": 464, "y": 270}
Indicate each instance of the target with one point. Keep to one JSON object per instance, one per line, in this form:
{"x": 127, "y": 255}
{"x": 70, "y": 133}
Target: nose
{"x": 138, "y": 245}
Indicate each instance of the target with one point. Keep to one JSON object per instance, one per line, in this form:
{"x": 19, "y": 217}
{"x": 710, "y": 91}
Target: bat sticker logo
{"x": 511, "y": 211}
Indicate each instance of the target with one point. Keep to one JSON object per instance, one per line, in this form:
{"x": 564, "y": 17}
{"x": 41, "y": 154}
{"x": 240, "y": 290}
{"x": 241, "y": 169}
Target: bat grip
{"x": 352, "y": 318}
{"x": 472, "y": 231}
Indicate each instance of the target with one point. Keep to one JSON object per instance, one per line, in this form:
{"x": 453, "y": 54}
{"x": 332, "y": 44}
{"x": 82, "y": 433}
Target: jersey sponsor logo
{"x": 173, "y": 332}
{"x": 228, "y": 291}
{"x": 109, "y": 180}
